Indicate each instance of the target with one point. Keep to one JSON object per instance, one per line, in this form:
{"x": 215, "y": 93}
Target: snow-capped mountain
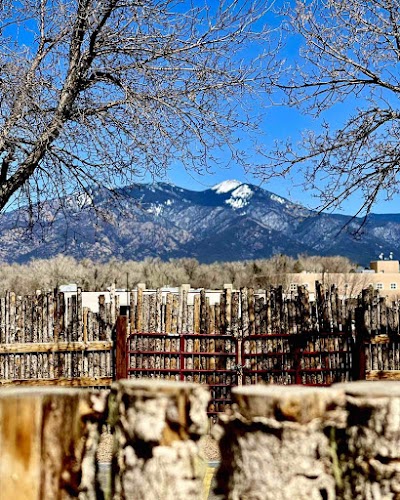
{"x": 230, "y": 221}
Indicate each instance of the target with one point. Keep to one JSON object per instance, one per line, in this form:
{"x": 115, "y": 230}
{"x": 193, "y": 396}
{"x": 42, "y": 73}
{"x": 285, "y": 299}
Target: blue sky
{"x": 275, "y": 126}
{"x": 280, "y": 124}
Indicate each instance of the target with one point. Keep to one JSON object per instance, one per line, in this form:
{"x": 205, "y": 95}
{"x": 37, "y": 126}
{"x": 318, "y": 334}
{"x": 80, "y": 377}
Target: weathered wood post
{"x": 156, "y": 425}
{"x": 358, "y": 353}
{"x": 369, "y": 448}
{"x": 292, "y": 442}
{"x": 121, "y": 355}
{"x": 274, "y": 445}
{"x": 48, "y": 442}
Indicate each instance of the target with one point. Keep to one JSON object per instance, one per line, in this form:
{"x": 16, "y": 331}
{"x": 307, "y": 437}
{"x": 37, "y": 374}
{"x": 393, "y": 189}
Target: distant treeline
{"x": 61, "y": 270}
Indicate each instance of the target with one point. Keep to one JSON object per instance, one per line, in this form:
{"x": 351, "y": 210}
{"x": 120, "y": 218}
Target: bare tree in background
{"x": 100, "y": 92}
{"x": 348, "y": 62}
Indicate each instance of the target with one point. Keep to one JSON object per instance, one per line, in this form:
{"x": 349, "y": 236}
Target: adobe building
{"x": 383, "y": 275}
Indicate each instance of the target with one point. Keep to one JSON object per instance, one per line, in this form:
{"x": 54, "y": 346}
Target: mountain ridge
{"x": 229, "y": 221}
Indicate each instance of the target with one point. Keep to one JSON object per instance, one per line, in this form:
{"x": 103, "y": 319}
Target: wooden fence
{"x": 247, "y": 337}
{"x": 378, "y": 337}
{"x": 47, "y": 339}
{"x": 216, "y": 337}
{"x": 239, "y": 313}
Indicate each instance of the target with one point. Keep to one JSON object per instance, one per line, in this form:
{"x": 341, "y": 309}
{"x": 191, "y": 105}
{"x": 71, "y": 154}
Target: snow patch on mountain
{"x": 390, "y": 233}
{"x": 237, "y": 202}
{"x": 278, "y": 199}
{"x": 79, "y": 200}
{"x": 240, "y": 197}
{"x": 243, "y": 192}
{"x": 155, "y": 209}
{"x": 226, "y": 186}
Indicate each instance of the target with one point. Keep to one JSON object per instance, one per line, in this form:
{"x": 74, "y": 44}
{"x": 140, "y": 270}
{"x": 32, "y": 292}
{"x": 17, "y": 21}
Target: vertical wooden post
{"x": 341, "y": 442}
{"x": 19, "y": 320}
{"x": 113, "y": 312}
{"x": 168, "y": 313}
{"x": 276, "y": 429}
{"x": 56, "y": 328}
{"x": 121, "y": 355}
{"x": 303, "y": 307}
{"x": 72, "y": 318}
{"x": 175, "y": 313}
{"x": 370, "y": 443}
{"x": 61, "y": 317}
{"x": 85, "y": 324}
{"x": 132, "y": 312}
{"x": 361, "y": 334}
{"x": 48, "y": 442}
{"x": 252, "y": 315}
{"x": 203, "y": 311}
{"x": 159, "y": 305}
{"x": 79, "y": 314}
{"x": 183, "y": 311}
{"x": 152, "y": 313}
{"x": 245, "y": 312}
{"x": 12, "y": 305}
{"x": 235, "y": 319}
{"x": 139, "y": 307}
{"x": 102, "y": 318}
{"x": 228, "y": 308}
{"x": 6, "y": 316}
{"x": 196, "y": 314}
{"x": 3, "y": 324}
{"x": 280, "y": 309}
{"x": 157, "y": 425}
{"x": 145, "y": 315}
{"x": 320, "y": 302}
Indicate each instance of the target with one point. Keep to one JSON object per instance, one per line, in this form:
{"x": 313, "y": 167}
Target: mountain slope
{"x": 231, "y": 221}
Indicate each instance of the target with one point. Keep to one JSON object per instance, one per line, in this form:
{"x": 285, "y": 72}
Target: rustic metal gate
{"x": 209, "y": 359}
{"x": 222, "y": 361}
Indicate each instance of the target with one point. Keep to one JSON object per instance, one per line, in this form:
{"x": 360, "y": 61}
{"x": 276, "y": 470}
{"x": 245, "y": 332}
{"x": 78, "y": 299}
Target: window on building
{"x": 293, "y": 287}
{"x": 393, "y": 286}
{"x": 379, "y": 286}
{"x": 306, "y": 285}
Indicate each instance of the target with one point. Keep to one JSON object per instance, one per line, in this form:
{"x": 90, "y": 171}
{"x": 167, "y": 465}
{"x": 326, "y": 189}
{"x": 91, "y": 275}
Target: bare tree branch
{"x": 121, "y": 88}
{"x": 349, "y": 54}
